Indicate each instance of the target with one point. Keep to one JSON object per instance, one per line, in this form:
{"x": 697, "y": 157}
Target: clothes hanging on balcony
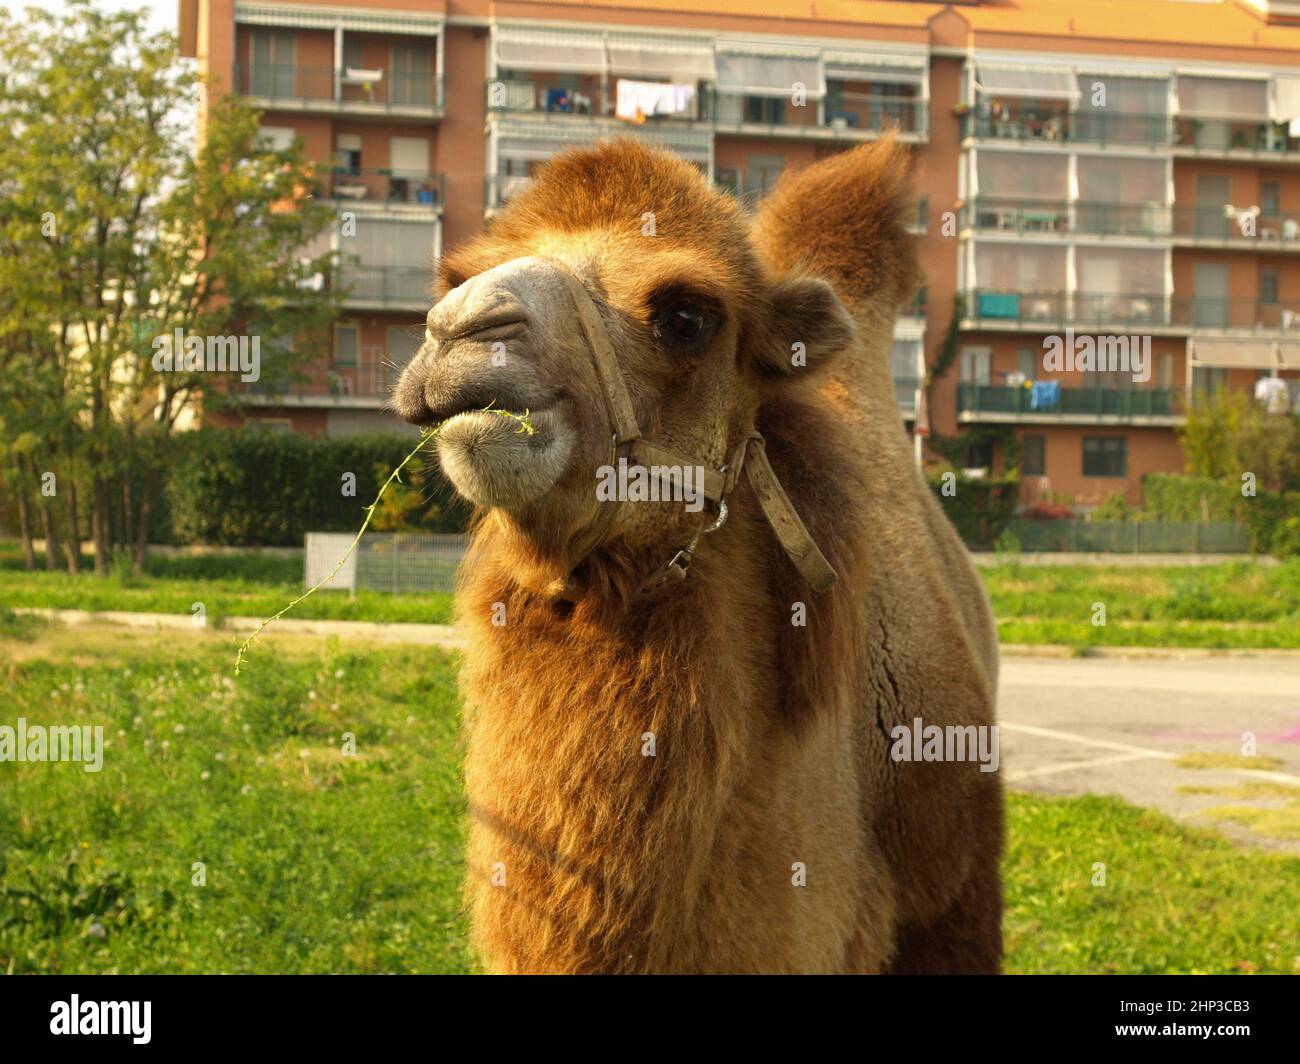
{"x": 1274, "y": 394}
{"x": 1044, "y": 394}
{"x": 639, "y": 100}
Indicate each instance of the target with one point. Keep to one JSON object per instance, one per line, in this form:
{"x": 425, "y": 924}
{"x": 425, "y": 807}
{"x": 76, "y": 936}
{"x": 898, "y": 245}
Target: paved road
{"x": 1103, "y": 726}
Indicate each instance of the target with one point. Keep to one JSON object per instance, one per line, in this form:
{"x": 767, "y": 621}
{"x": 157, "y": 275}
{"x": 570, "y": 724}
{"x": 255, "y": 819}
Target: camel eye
{"x": 683, "y": 323}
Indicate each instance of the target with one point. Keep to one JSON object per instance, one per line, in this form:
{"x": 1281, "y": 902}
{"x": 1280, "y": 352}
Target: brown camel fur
{"x": 690, "y": 780}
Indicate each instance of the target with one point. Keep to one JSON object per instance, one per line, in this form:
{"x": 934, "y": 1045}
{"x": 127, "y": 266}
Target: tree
{"x": 1228, "y": 434}
{"x": 117, "y": 234}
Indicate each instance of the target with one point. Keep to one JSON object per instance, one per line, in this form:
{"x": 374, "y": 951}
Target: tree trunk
{"x": 142, "y": 526}
{"x": 99, "y": 524}
{"x": 74, "y": 530}
{"x": 24, "y": 522}
{"x": 51, "y": 527}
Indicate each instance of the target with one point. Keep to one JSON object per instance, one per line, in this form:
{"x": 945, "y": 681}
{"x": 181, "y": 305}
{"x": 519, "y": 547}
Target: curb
{"x": 1060, "y": 650}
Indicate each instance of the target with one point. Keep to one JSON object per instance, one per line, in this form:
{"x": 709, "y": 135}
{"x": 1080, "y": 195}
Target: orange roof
{"x": 1074, "y": 24}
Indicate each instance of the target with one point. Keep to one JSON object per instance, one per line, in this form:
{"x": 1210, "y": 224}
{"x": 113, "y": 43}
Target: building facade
{"x": 1109, "y": 211}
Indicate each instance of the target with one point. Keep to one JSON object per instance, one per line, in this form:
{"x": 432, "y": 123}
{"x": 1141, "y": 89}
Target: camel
{"x": 680, "y": 722}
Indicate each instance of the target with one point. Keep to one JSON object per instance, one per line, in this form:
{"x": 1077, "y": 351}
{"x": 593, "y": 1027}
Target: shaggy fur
{"x": 770, "y": 740}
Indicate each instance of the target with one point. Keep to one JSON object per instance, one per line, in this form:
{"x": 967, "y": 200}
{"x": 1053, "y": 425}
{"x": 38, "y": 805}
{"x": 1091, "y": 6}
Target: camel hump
{"x": 844, "y": 218}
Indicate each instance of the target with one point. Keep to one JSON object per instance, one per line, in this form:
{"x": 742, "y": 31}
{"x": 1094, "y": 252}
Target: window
{"x": 347, "y": 339}
{"x": 412, "y": 82}
{"x": 1209, "y": 379}
{"x": 352, "y": 54}
{"x": 1270, "y": 198}
{"x": 273, "y": 63}
{"x": 347, "y": 152}
{"x": 765, "y": 110}
{"x": 1105, "y": 456}
{"x": 269, "y": 424}
{"x": 1033, "y": 455}
{"x": 1268, "y": 284}
{"x": 403, "y": 344}
{"x": 979, "y": 455}
{"x": 1027, "y": 363}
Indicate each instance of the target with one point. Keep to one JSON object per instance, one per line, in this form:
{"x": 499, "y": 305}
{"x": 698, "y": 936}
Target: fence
{"x": 1132, "y": 537}
{"x": 384, "y": 561}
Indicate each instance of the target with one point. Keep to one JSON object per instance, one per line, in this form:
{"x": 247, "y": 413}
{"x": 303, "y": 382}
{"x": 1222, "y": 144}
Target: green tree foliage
{"x": 116, "y": 230}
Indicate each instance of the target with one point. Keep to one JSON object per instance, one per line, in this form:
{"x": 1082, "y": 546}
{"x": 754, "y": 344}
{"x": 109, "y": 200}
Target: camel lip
{"x": 472, "y": 403}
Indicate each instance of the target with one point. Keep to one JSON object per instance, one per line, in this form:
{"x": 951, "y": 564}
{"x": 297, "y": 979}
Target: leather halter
{"x": 749, "y": 456}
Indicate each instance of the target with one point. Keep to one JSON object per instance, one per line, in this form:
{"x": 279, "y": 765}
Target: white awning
{"x": 1242, "y": 98}
{"x": 875, "y": 66}
{"x": 1286, "y": 97}
{"x": 1239, "y": 354}
{"x": 578, "y": 53}
{"x": 682, "y": 62}
{"x": 1039, "y": 82}
{"x": 755, "y": 74}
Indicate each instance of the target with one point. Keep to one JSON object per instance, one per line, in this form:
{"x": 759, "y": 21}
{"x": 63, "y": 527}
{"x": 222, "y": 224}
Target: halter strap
{"x": 749, "y": 457}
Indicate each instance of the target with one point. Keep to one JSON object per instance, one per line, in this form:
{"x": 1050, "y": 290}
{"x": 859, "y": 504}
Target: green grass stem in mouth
{"x": 525, "y": 425}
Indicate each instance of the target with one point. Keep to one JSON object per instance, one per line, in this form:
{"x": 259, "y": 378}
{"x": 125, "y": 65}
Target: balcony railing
{"x": 498, "y": 188}
{"x": 843, "y": 112}
{"x": 385, "y": 286}
{"x": 1025, "y": 400}
{"x": 1203, "y": 136}
{"x": 324, "y": 88}
{"x": 905, "y": 393}
{"x": 371, "y": 376}
{"x": 1050, "y": 125}
{"x": 1000, "y": 214}
{"x": 413, "y": 187}
{"x": 1130, "y": 312}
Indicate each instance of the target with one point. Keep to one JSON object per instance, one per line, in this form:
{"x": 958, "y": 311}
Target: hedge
{"x": 980, "y": 508}
{"x": 252, "y": 487}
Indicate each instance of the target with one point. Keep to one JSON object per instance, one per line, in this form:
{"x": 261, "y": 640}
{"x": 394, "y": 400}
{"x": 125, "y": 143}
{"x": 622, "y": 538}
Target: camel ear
{"x": 807, "y": 326}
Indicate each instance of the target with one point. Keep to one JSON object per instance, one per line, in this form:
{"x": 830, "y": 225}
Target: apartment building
{"x": 1110, "y": 191}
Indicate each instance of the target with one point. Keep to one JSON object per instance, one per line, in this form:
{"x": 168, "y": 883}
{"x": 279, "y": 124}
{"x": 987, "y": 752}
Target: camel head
{"x": 663, "y": 268}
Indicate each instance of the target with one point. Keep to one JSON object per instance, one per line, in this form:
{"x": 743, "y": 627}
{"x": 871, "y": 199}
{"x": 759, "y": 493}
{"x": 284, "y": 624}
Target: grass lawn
{"x": 1233, "y": 605}
{"x": 238, "y": 585}
{"x": 315, "y": 861}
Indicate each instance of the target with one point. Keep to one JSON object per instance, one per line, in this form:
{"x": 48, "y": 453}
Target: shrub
{"x": 980, "y": 508}
{"x": 1047, "y": 511}
{"x": 246, "y": 486}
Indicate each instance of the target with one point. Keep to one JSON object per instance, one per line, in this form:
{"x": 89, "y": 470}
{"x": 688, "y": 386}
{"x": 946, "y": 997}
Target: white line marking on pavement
{"x": 1096, "y": 762}
{"x": 1135, "y": 753}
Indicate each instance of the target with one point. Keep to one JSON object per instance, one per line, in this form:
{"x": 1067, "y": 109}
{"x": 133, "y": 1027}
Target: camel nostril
{"x": 476, "y": 315}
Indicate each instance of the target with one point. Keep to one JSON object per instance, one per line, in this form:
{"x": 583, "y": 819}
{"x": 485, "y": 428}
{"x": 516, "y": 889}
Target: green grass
{"x": 314, "y": 861}
{"x": 320, "y": 862}
{"x": 1175, "y": 899}
{"x": 242, "y": 585}
{"x": 1236, "y": 605}
{"x": 1233, "y": 605}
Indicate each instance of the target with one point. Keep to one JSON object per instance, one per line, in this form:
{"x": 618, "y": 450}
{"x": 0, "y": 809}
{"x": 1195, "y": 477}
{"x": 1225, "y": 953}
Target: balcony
{"x": 1143, "y": 313}
{"x": 1013, "y": 121}
{"x": 388, "y": 188}
{"x": 284, "y": 87}
{"x": 386, "y": 287}
{"x": 366, "y": 383}
{"x": 843, "y": 115}
{"x": 1265, "y": 140}
{"x": 905, "y": 394}
{"x": 498, "y": 188}
{"x": 980, "y": 402}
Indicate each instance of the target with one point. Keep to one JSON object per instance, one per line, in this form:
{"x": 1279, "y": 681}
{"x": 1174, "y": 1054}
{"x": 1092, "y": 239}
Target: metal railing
{"x": 498, "y": 188}
{"x": 1156, "y": 537}
{"x": 1101, "y": 402}
{"x": 1053, "y": 125}
{"x": 327, "y": 88}
{"x": 385, "y": 286}
{"x": 843, "y": 111}
{"x": 411, "y": 187}
{"x": 1212, "y": 136}
{"x": 905, "y": 393}
{"x": 1023, "y": 214}
{"x": 1131, "y": 311}
{"x": 396, "y": 562}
